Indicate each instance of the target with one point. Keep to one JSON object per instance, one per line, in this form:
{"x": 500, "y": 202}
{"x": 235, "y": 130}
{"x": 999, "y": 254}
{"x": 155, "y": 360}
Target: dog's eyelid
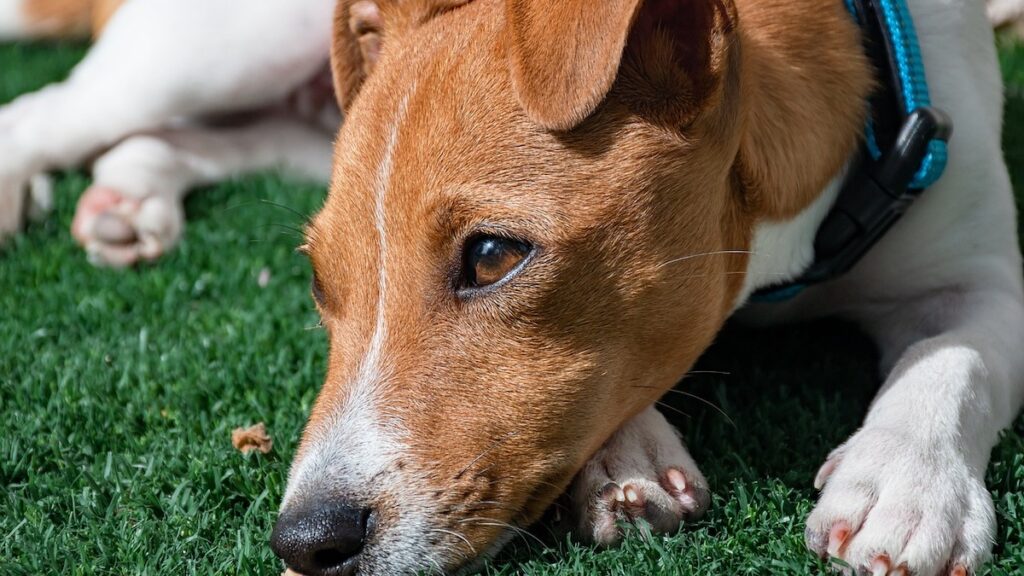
{"x": 316, "y": 288}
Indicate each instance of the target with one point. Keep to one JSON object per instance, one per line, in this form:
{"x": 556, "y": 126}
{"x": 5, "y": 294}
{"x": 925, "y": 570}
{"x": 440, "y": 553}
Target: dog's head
{"x": 536, "y": 224}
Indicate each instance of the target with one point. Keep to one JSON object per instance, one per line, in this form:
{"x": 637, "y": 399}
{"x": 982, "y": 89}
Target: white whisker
{"x": 494, "y": 445}
{"x": 437, "y": 565}
{"x": 704, "y": 401}
{"x": 457, "y": 535}
{"x": 703, "y": 254}
{"x": 499, "y": 524}
{"x": 673, "y": 409}
{"x": 717, "y": 372}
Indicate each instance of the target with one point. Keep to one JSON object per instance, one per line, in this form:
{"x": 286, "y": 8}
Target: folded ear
{"x": 358, "y": 30}
{"x": 567, "y": 54}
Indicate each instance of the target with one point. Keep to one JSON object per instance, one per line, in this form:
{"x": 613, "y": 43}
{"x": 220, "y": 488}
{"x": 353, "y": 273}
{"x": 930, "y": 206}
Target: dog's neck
{"x": 805, "y": 85}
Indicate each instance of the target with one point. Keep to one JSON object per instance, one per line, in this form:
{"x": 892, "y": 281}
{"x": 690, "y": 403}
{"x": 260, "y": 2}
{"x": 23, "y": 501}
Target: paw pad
{"x": 118, "y": 230}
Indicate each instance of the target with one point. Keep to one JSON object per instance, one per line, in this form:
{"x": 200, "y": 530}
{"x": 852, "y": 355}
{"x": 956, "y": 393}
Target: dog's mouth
{"x": 407, "y": 518}
{"x": 335, "y": 540}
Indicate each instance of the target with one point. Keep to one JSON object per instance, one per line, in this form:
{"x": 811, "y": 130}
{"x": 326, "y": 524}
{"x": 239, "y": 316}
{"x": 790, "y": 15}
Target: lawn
{"x": 119, "y": 391}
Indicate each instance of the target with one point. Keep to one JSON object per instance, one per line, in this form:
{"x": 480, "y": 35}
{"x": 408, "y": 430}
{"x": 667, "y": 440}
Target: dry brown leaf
{"x": 252, "y": 438}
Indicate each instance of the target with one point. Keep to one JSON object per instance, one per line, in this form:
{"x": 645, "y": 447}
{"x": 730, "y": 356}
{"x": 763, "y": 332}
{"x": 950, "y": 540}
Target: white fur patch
{"x": 356, "y": 445}
{"x": 781, "y": 250}
{"x": 13, "y": 24}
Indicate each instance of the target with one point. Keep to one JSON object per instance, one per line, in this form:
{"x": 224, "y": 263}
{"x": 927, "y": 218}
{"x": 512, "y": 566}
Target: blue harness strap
{"x": 904, "y": 151}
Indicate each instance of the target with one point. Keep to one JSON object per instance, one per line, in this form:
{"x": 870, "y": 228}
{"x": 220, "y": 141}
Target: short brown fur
{"x": 70, "y": 18}
{"x": 636, "y": 191}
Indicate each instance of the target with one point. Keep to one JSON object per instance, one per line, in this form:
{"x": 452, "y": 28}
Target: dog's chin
{"x": 476, "y": 564}
{"x": 424, "y": 547}
{"x": 425, "y": 558}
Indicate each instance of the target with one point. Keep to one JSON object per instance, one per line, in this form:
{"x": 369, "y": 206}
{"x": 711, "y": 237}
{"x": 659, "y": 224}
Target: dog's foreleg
{"x": 907, "y": 490}
{"x": 134, "y": 209}
{"x": 643, "y": 472}
{"x": 158, "y": 61}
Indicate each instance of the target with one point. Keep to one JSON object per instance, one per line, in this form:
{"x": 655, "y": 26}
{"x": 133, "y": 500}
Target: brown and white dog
{"x": 541, "y": 213}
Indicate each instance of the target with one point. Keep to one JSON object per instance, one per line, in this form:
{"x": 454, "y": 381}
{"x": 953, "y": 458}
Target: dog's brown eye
{"x": 490, "y": 259}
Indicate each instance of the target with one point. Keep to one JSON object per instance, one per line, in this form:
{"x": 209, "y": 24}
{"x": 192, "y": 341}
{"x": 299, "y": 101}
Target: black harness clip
{"x": 874, "y": 197}
{"x": 882, "y": 195}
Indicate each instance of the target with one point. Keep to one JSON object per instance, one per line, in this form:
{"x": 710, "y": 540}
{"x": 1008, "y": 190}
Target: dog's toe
{"x": 642, "y": 474}
{"x": 694, "y": 498}
{"x": 637, "y": 500}
{"x": 889, "y": 506}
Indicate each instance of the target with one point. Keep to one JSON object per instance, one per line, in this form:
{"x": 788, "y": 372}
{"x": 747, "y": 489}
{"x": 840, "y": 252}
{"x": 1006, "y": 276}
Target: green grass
{"x": 119, "y": 390}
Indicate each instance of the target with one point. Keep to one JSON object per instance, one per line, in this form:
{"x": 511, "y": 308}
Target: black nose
{"x": 322, "y": 539}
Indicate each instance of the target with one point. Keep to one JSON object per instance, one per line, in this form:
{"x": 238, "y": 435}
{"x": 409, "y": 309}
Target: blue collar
{"x": 904, "y": 149}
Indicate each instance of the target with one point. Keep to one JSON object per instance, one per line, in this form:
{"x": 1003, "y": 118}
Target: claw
{"x": 837, "y": 538}
{"x": 880, "y": 565}
{"x": 694, "y": 499}
{"x": 632, "y": 496}
{"x": 824, "y": 472}
{"x": 676, "y": 480}
{"x": 613, "y": 491}
{"x": 635, "y": 502}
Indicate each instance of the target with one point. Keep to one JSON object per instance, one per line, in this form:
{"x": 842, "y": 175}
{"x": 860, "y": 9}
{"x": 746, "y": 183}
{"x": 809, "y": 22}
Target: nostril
{"x": 328, "y": 558}
{"x": 323, "y": 539}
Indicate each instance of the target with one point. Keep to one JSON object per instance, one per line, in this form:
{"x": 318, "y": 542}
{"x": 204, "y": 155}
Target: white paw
{"x": 642, "y": 472}
{"x": 133, "y": 212}
{"x": 892, "y": 504}
{"x": 117, "y": 230}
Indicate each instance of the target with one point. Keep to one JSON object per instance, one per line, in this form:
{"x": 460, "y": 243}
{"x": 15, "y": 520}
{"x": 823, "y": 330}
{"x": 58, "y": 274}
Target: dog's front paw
{"x": 893, "y": 504}
{"x": 643, "y": 473}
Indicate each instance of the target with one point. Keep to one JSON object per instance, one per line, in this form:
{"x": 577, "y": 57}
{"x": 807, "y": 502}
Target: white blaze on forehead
{"x": 369, "y": 366}
{"x": 355, "y": 444}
